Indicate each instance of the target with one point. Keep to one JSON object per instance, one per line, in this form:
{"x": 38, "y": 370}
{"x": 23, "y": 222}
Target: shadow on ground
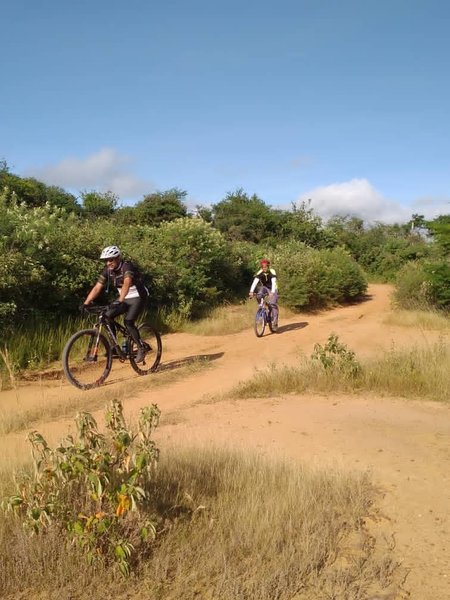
{"x": 189, "y": 360}
{"x": 292, "y": 327}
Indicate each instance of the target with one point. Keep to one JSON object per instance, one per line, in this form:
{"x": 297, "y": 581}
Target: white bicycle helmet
{"x": 110, "y": 252}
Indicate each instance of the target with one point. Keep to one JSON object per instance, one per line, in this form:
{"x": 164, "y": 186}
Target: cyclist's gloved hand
{"x": 116, "y": 304}
{"x": 83, "y": 306}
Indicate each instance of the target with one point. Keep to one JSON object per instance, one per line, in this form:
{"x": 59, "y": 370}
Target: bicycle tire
{"x": 273, "y": 328}
{"x": 260, "y": 322}
{"x": 83, "y": 370}
{"x": 152, "y": 340}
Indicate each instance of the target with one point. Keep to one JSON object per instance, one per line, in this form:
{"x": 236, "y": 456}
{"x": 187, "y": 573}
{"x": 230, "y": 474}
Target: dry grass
{"x": 423, "y": 319}
{"x": 413, "y": 373}
{"x": 4, "y": 355}
{"x": 232, "y": 526}
{"x": 229, "y": 319}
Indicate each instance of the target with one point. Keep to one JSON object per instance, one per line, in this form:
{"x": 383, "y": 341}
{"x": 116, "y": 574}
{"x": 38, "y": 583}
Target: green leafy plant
{"x": 93, "y": 488}
{"x": 335, "y": 355}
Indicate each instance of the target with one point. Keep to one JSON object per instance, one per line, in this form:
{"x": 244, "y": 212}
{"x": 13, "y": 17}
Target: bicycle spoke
{"x": 153, "y": 350}
{"x": 260, "y": 322}
{"x": 87, "y": 359}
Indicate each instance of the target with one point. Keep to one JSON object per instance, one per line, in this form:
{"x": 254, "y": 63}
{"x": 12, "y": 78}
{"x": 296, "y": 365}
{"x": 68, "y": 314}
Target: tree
{"x": 34, "y": 192}
{"x": 204, "y": 213}
{"x": 304, "y": 225}
{"x": 440, "y": 230}
{"x": 243, "y": 217}
{"x": 161, "y": 206}
{"x": 99, "y": 204}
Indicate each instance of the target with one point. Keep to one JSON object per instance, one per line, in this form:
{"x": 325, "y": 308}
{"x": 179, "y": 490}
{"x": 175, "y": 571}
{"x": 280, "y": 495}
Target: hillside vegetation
{"x": 50, "y": 242}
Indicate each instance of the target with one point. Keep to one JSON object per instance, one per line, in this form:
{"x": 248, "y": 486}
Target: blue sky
{"x": 345, "y": 102}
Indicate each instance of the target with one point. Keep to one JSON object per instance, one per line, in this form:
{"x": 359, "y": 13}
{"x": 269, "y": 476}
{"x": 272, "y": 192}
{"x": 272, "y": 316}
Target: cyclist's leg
{"x": 114, "y": 310}
{"x": 134, "y": 307}
{"x": 262, "y": 293}
{"x": 273, "y": 303}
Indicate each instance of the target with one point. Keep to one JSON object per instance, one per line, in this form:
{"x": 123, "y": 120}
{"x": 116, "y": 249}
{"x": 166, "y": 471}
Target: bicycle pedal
{"x": 90, "y": 359}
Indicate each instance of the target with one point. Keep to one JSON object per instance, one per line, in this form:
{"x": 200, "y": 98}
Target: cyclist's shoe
{"x": 140, "y": 355}
{"x": 114, "y": 353}
{"x": 90, "y": 358}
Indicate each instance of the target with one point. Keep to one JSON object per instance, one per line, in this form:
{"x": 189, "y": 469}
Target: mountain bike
{"x": 263, "y": 317}
{"x": 87, "y": 357}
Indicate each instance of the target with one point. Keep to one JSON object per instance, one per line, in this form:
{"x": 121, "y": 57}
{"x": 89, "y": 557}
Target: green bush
{"x": 336, "y": 356}
{"x": 412, "y": 290}
{"x": 189, "y": 265}
{"x": 312, "y": 278}
{"x": 422, "y": 285}
{"x": 439, "y": 280}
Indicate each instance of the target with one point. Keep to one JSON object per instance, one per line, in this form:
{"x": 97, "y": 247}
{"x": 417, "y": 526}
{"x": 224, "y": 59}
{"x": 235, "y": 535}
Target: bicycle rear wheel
{"x": 153, "y": 350}
{"x": 260, "y": 322}
{"x": 87, "y": 359}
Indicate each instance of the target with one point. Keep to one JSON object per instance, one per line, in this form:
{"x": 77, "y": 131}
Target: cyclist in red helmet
{"x": 265, "y": 282}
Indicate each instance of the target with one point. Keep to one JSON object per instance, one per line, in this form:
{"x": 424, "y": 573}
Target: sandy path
{"x": 404, "y": 444}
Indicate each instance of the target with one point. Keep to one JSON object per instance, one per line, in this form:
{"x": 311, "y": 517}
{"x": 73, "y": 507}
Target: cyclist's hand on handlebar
{"x": 116, "y": 304}
{"x": 82, "y": 307}
{"x": 251, "y": 294}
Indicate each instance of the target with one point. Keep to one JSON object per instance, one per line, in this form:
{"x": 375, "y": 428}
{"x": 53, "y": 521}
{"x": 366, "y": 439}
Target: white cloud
{"x": 102, "y": 171}
{"x": 357, "y": 198}
{"x": 431, "y": 207}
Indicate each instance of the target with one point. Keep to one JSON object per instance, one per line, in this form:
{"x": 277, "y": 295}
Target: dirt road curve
{"x": 405, "y": 444}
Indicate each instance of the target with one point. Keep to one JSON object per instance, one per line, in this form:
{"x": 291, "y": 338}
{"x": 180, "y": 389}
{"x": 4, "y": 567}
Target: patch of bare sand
{"x": 405, "y": 444}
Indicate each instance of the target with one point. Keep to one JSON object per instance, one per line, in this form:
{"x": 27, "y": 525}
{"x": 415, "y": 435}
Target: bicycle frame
{"x": 265, "y": 306}
{"x": 87, "y": 355}
{"x": 112, "y": 338}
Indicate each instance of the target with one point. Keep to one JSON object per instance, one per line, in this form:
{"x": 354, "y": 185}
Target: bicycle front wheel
{"x": 153, "y": 350}
{"x": 87, "y": 359}
{"x": 260, "y": 322}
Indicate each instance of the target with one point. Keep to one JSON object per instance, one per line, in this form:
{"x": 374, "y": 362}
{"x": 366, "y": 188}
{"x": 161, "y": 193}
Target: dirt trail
{"x": 405, "y": 444}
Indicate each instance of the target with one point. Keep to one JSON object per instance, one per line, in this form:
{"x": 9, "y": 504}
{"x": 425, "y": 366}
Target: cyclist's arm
{"x": 94, "y": 292}
{"x": 274, "y": 285}
{"x": 127, "y": 282}
{"x": 254, "y": 284}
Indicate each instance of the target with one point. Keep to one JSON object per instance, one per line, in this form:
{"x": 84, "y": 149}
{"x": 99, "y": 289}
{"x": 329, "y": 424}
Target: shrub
{"x": 93, "y": 488}
{"x": 439, "y": 281}
{"x": 312, "y": 278}
{"x": 413, "y": 288}
{"x": 336, "y": 356}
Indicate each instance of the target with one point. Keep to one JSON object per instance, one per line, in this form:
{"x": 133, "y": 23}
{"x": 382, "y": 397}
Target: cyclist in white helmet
{"x": 133, "y": 294}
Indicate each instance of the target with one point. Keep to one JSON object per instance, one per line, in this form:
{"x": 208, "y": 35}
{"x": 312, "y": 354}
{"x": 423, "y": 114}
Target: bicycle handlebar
{"x": 95, "y": 309}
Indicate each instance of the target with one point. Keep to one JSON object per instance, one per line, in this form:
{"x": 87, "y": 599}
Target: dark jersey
{"x": 267, "y": 279}
{"x": 115, "y": 277}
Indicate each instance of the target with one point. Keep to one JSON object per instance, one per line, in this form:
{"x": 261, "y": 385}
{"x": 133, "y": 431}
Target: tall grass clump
{"x": 423, "y": 319}
{"x": 36, "y": 344}
{"x": 224, "y": 320}
{"x": 419, "y": 372}
{"x": 259, "y": 528}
